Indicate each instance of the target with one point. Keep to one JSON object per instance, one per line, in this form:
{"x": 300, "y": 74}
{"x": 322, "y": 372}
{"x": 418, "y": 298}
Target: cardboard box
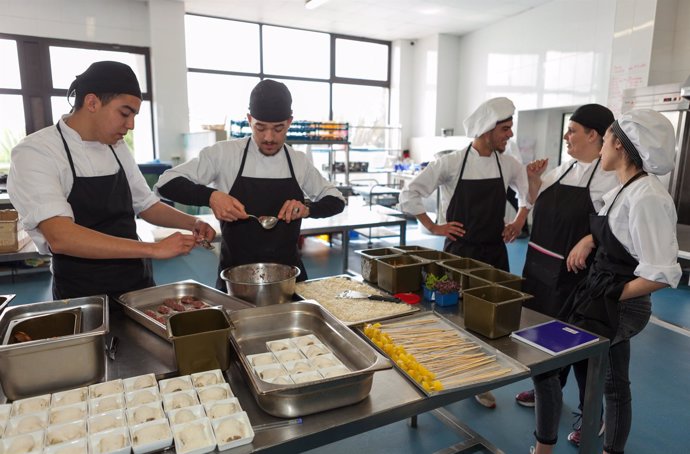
{"x": 12, "y": 238}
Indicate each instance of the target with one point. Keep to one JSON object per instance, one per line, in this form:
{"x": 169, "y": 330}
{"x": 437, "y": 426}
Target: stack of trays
{"x": 195, "y": 412}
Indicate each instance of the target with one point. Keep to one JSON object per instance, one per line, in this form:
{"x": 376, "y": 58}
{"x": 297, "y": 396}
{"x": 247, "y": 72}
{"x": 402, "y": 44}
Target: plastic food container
{"x": 493, "y": 311}
{"x": 400, "y": 273}
{"x": 482, "y": 277}
{"x": 458, "y": 269}
{"x": 435, "y": 258}
{"x": 200, "y": 340}
{"x": 369, "y": 256}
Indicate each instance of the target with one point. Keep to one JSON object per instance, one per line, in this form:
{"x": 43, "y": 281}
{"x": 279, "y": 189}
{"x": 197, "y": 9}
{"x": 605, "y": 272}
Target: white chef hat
{"x": 487, "y": 115}
{"x": 648, "y": 138}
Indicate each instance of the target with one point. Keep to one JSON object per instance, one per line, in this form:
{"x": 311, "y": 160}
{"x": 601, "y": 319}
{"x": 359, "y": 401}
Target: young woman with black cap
{"x": 564, "y": 198}
{"x": 259, "y": 175}
{"x": 636, "y": 254}
{"x": 77, "y": 188}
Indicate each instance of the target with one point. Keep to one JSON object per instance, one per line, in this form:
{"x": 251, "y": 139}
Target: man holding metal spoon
{"x": 261, "y": 176}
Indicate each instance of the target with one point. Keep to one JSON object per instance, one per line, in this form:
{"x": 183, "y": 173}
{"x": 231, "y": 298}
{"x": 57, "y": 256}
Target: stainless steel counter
{"x": 392, "y": 398}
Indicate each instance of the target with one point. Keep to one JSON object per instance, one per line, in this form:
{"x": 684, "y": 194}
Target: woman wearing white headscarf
{"x": 635, "y": 237}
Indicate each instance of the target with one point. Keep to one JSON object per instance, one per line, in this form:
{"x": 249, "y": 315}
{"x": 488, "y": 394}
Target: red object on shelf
{"x": 409, "y": 298}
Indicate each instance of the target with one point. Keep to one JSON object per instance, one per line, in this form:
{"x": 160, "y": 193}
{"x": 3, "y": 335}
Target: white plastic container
{"x": 222, "y": 408}
{"x": 186, "y": 414}
{"x": 173, "y": 385}
{"x": 140, "y": 382}
{"x": 107, "y": 442}
{"x": 150, "y": 436}
{"x": 107, "y": 421}
{"x": 194, "y": 437}
{"x": 237, "y": 425}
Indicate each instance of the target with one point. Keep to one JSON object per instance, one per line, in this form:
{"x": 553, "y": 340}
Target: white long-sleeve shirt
{"x": 644, "y": 220}
{"x": 40, "y": 177}
{"x": 217, "y": 166}
{"x": 602, "y": 182}
{"x": 444, "y": 174}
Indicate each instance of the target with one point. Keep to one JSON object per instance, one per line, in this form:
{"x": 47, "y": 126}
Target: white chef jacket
{"x": 40, "y": 177}
{"x": 444, "y": 174}
{"x": 602, "y": 182}
{"x": 218, "y": 164}
{"x": 644, "y": 220}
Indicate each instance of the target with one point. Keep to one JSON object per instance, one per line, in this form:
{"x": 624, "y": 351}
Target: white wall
{"x": 103, "y": 21}
{"x": 447, "y": 83}
{"x": 671, "y": 47}
{"x": 424, "y": 86}
{"x": 169, "y": 68}
{"x": 557, "y": 54}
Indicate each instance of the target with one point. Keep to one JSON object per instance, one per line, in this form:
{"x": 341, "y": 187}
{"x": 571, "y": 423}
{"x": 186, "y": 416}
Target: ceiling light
{"x": 311, "y": 4}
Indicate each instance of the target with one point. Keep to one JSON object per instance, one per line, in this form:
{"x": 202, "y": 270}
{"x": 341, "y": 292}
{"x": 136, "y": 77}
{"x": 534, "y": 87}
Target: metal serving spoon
{"x": 267, "y": 222}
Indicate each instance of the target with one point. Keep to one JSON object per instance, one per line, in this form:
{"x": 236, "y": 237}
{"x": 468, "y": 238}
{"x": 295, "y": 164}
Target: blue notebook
{"x": 554, "y": 337}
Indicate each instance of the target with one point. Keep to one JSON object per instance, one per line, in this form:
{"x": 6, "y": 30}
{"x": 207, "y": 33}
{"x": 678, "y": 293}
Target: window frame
{"x": 36, "y": 77}
{"x": 330, "y": 80}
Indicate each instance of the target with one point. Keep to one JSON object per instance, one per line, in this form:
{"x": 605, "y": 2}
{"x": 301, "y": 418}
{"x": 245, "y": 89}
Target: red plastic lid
{"x": 409, "y": 298}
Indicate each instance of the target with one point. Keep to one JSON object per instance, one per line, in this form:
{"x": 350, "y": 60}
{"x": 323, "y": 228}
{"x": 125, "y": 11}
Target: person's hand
{"x": 452, "y": 230}
{"x": 203, "y": 232}
{"x": 536, "y": 168}
{"x": 173, "y": 245}
{"x": 226, "y": 208}
{"x": 577, "y": 258}
{"x": 293, "y": 210}
{"x": 511, "y": 231}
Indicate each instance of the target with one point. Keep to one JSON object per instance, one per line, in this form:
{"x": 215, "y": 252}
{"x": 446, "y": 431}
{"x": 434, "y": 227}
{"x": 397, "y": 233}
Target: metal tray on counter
{"x": 251, "y": 330}
{"x": 53, "y": 364}
{"x": 514, "y": 368}
{"x": 330, "y": 302}
{"x": 137, "y": 302}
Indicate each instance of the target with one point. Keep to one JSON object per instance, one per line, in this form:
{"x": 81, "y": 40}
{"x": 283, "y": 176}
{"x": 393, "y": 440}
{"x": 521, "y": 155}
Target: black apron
{"x": 594, "y": 303}
{"x": 480, "y": 206}
{"x": 560, "y": 220}
{"x": 245, "y": 241}
{"x": 103, "y": 204}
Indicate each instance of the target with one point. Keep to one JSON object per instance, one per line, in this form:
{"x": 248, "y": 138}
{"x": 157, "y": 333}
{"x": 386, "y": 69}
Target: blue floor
{"x": 660, "y": 366}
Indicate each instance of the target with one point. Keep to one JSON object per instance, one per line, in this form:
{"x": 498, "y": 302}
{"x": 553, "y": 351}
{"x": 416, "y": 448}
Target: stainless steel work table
{"x": 351, "y": 218}
{"x": 392, "y": 398}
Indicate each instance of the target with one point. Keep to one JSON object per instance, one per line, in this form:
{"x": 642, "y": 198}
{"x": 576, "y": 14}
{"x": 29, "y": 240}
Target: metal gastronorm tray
{"x": 136, "y": 302}
{"x": 373, "y": 290}
{"x": 518, "y": 370}
{"x": 250, "y": 331}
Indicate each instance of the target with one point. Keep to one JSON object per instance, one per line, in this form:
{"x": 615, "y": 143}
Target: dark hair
{"x": 587, "y": 130}
{"x": 104, "y": 97}
{"x": 631, "y": 153}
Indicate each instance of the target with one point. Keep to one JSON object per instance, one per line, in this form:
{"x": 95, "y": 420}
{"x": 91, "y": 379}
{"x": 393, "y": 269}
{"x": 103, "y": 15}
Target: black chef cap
{"x": 270, "y": 101}
{"x": 106, "y": 77}
{"x": 594, "y": 116}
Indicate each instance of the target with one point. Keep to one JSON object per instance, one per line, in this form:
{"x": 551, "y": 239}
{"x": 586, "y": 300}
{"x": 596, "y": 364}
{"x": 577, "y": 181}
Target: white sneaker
{"x": 486, "y": 399}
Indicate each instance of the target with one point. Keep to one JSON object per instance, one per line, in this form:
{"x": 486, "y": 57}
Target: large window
{"x": 331, "y": 77}
{"x": 33, "y": 93}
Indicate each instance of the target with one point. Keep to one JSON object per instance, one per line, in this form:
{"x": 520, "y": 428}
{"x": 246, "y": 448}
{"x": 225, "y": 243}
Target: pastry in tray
{"x": 350, "y": 311}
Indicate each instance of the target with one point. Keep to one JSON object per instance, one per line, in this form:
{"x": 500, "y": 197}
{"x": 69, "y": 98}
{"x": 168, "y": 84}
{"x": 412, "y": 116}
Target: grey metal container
{"x": 136, "y": 303}
{"x": 482, "y": 277}
{"x": 261, "y": 283}
{"x": 251, "y": 329}
{"x": 458, "y": 269}
{"x": 369, "y": 257}
{"x": 400, "y": 273}
{"x": 48, "y": 365}
{"x": 493, "y": 311}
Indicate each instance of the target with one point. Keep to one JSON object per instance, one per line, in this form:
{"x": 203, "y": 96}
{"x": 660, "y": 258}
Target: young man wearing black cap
{"x": 77, "y": 189}
{"x": 259, "y": 175}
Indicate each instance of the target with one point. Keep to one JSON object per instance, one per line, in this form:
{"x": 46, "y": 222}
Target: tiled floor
{"x": 660, "y": 367}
